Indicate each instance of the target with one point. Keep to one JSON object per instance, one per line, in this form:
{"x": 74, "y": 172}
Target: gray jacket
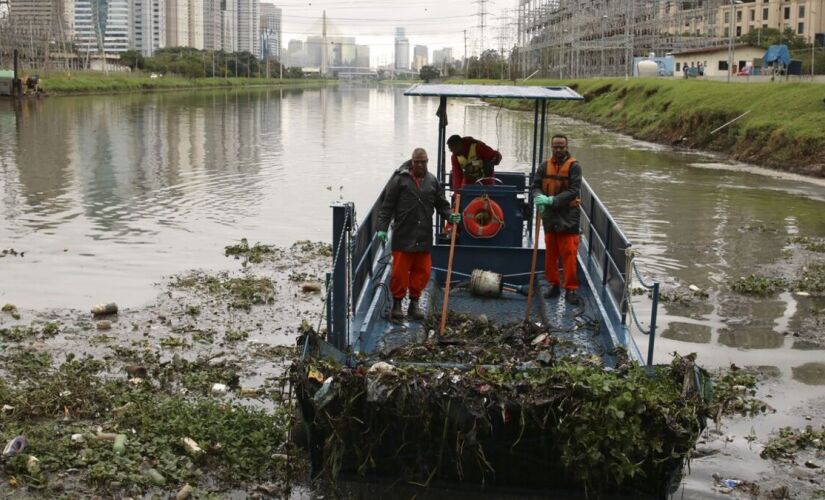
{"x": 411, "y": 208}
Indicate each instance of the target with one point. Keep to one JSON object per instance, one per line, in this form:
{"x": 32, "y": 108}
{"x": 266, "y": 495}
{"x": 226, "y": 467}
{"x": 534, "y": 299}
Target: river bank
{"x": 99, "y": 83}
{"x": 781, "y": 127}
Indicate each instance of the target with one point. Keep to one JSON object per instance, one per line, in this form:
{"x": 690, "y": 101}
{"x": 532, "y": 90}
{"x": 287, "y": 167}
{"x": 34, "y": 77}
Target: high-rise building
{"x": 270, "y": 31}
{"x": 420, "y": 58}
{"x": 40, "y": 19}
{"x": 402, "y": 49}
{"x": 102, "y": 26}
{"x": 295, "y": 53}
{"x": 184, "y": 23}
{"x": 362, "y": 56}
{"x": 220, "y": 22}
{"x": 443, "y": 56}
{"x": 341, "y": 50}
{"x": 148, "y": 26}
{"x": 313, "y": 51}
{"x": 249, "y": 20}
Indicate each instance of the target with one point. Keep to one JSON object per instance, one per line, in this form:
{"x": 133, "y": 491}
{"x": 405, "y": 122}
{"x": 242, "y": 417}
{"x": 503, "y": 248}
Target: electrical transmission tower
{"x": 482, "y": 22}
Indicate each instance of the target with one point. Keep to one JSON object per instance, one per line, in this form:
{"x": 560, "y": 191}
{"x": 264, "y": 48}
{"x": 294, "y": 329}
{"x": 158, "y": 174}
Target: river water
{"x": 106, "y": 195}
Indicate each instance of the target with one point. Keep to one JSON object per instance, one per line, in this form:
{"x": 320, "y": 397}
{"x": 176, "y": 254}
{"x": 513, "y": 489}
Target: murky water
{"x": 108, "y": 194}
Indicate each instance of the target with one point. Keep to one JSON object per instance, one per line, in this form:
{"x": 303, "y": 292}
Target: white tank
{"x": 647, "y": 68}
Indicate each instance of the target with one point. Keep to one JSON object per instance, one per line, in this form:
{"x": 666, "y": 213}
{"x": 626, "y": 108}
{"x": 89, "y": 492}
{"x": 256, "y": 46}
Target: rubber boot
{"x": 553, "y": 292}
{"x": 397, "y": 312}
{"x": 414, "y": 311}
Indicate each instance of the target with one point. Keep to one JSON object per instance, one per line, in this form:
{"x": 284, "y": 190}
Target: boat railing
{"x": 654, "y": 294}
{"x": 357, "y": 254}
{"x": 609, "y": 259}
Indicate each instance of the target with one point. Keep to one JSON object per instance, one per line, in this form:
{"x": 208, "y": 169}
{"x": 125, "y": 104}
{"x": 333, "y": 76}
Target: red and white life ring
{"x": 483, "y": 217}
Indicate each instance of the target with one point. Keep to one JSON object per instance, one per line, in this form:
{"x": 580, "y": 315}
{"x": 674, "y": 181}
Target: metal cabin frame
{"x": 357, "y": 287}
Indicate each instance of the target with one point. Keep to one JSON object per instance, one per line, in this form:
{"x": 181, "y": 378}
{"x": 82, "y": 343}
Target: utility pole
{"x": 465, "y": 53}
{"x": 324, "y": 51}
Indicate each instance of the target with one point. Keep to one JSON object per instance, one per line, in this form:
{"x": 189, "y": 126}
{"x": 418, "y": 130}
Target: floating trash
{"x": 15, "y": 446}
{"x": 103, "y": 309}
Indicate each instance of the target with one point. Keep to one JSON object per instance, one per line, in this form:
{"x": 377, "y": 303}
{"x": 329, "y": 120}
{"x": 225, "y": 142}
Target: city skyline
{"x": 256, "y": 26}
{"x": 435, "y": 24}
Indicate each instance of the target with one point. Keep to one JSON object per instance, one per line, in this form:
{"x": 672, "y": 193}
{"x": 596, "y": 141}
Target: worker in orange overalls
{"x": 557, "y": 196}
{"x": 472, "y": 160}
{"x": 411, "y": 197}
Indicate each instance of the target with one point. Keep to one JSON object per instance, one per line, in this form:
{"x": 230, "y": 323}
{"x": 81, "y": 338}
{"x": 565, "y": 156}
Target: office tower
{"x": 420, "y": 53}
{"x": 102, "y": 26}
{"x": 402, "y": 49}
{"x": 270, "y": 31}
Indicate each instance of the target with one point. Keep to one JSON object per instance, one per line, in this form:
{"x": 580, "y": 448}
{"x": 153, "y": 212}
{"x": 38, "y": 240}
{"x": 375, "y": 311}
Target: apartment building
{"x": 184, "y": 23}
{"x": 148, "y": 26}
{"x": 249, "y": 20}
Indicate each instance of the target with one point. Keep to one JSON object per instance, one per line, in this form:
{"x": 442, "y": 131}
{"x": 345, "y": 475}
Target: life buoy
{"x": 483, "y": 217}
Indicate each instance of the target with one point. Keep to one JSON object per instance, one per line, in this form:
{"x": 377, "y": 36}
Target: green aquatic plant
{"x": 254, "y": 254}
{"x": 788, "y": 441}
{"x": 809, "y": 243}
{"x": 734, "y": 393}
{"x": 813, "y": 278}
{"x": 761, "y": 286}
{"x": 59, "y": 409}
{"x": 310, "y": 248}
{"x": 235, "y": 335}
{"x": 239, "y": 292}
{"x": 18, "y": 333}
{"x": 420, "y": 418}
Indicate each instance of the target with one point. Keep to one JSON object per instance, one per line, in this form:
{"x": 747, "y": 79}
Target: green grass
{"x": 96, "y": 82}
{"x": 783, "y": 128}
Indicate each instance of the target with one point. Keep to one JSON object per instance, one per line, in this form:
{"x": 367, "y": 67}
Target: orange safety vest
{"x": 556, "y": 179}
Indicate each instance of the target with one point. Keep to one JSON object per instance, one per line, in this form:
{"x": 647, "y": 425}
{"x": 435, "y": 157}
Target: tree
{"x": 765, "y": 37}
{"x": 428, "y": 73}
{"x": 295, "y": 72}
{"x": 133, "y": 59}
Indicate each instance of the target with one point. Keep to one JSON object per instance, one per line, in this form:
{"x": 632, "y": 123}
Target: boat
{"x": 355, "y": 361}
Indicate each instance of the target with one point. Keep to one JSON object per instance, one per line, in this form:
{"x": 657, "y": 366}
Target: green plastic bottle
{"x": 119, "y": 447}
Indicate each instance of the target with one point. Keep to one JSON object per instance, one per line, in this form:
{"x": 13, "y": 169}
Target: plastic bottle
{"x": 102, "y": 309}
{"x": 155, "y": 477}
{"x": 119, "y": 446}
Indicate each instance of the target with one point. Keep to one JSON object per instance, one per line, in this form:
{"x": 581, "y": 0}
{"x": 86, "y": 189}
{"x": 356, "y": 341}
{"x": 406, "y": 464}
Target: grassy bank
{"x": 783, "y": 128}
{"x": 93, "y": 82}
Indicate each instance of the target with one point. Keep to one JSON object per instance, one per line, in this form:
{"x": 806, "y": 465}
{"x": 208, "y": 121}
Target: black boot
{"x": 414, "y": 311}
{"x": 397, "y": 312}
{"x": 553, "y": 292}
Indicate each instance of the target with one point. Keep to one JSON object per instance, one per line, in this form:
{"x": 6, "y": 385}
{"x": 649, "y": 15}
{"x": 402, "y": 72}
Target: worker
{"x": 557, "y": 196}
{"x": 409, "y": 200}
{"x": 472, "y": 160}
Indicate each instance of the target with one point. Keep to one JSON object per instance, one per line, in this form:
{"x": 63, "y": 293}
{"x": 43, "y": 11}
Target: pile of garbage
{"x": 503, "y": 405}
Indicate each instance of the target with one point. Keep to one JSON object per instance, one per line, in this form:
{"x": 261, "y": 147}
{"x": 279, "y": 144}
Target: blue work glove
{"x": 381, "y": 235}
{"x": 454, "y": 218}
{"x": 543, "y": 200}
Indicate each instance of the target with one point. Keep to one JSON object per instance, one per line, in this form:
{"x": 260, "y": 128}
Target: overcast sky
{"x": 434, "y": 23}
